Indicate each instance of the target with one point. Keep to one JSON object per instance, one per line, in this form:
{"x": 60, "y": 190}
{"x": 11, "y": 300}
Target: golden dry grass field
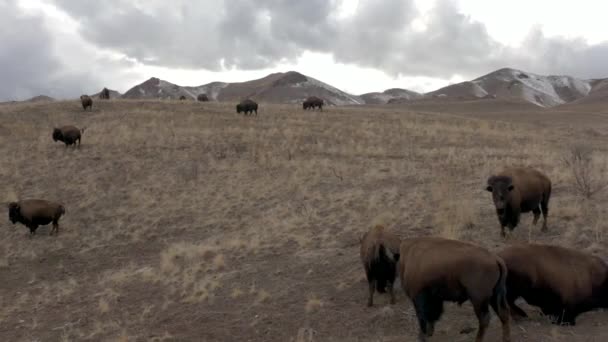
{"x": 187, "y": 222}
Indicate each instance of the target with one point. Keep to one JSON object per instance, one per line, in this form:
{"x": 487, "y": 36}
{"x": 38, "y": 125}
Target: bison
{"x": 312, "y": 102}
{"x": 380, "y": 254}
{"x": 182, "y": 98}
{"x": 247, "y": 107}
{"x": 68, "y": 135}
{"x": 434, "y": 270}
{"x": 35, "y": 212}
{"x": 519, "y": 190}
{"x": 202, "y": 98}
{"x": 562, "y": 282}
{"x": 105, "y": 94}
{"x": 87, "y": 101}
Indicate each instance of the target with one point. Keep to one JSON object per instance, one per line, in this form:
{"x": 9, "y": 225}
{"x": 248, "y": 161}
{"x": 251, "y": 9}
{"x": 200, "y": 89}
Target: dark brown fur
{"x": 105, "y": 94}
{"x": 519, "y": 190}
{"x": 182, "y": 98}
{"x": 562, "y": 282}
{"x": 202, "y": 98}
{"x": 434, "y": 270}
{"x": 69, "y": 135}
{"x": 313, "y": 102}
{"x": 380, "y": 254}
{"x": 34, "y": 212}
{"x": 247, "y": 107}
{"x": 86, "y": 102}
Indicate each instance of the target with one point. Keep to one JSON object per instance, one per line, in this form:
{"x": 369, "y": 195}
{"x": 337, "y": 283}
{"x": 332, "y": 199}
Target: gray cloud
{"x": 254, "y": 34}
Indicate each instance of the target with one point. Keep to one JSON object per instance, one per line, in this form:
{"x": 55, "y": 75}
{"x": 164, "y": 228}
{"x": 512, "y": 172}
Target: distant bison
{"x": 105, "y": 94}
{"x": 313, "y": 102}
{"x": 380, "y": 254}
{"x": 247, "y": 107}
{"x": 202, "y": 98}
{"x": 562, "y": 282}
{"x": 434, "y": 270}
{"x": 34, "y": 212}
{"x": 519, "y": 190}
{"x": 68, "y": 135}
{"x": 86, "y": 102}
{"x": 181, "y": 98}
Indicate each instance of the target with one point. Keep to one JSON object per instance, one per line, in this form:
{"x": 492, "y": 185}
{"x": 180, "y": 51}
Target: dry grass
{"x": 185, "y": 221}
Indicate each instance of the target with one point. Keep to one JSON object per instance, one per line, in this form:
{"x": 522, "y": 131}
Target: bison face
{"x": 501, "y": 192}
{"x": 239, "y": 108}
{"x": 14, "y": 212}
{"x": 57, "y": 134}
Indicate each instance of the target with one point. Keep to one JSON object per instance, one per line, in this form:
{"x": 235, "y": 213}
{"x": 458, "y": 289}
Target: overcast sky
{"x": 64, "y": 48}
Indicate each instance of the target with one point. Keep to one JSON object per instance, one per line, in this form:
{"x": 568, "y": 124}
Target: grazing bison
{"x": 202, "y": 98}
{"x": 247, "y": 107}
{"x": 562, "y": 282}
{"x": 182, "y": 98}
{"x": 86, "y": 102}
{"x": 34, "y": 212}
{"x": 380, "y": 254}
{"x": 434, "y": 270}
{"x": 105, "y": 94}
{"x": 68, "y": 135}
{"x": 519, "y": 190}
{"x": 312, "y": 102}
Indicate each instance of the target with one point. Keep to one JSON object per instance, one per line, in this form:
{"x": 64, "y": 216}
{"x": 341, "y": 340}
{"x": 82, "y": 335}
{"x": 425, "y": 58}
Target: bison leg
{"x": 55, "y": 228}
{"x": 536, "y": 212}
{"x": 391, "y": 292}
{"x": 544, "y": 205}
{"x": 483, "y": 316}
{"x": 428, "y": 310}
{"x": 372, "y": 287}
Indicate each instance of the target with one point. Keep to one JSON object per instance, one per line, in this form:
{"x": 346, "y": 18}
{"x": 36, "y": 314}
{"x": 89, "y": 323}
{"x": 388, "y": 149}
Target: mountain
{"x": 114, "y": 94}
{"x": 40, "y": 98}
{"x": 598, "y": 93}
{"x": 287, "y": 87}
{"x": 507, "y": 83}
{"x": 390, "y": 95}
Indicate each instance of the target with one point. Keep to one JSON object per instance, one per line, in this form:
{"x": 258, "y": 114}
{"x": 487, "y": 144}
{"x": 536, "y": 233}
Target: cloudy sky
{"x": 64, "y": 48}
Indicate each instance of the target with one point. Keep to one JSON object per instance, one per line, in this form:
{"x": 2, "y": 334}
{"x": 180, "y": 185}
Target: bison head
{"x": 14, "y": 212}
{"x": 500, "y": 187}
{"x": 57, "y": 135}
{"x": 239, "y": 108}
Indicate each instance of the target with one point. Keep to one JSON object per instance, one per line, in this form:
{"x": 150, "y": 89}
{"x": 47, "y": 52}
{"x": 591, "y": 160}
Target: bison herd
{"x": 562, "y": 282}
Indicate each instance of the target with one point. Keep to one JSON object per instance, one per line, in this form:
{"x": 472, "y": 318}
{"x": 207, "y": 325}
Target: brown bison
{"x": 312, "y": 102}
{"x": 182, "y": 98}
{"x": 519, "y": 190}
{"x": 434, "y": 270}
{"x": 202, "y": 98}
{"x": 247, "y": 107}
{"x": 34, "y": 212}
{"x": 68, "y": 135}
{"x": 562, "y": 282}
{"x": 380, "y": 254}
{"x": 87, "y": 101}
{"x": 105, "y": 94}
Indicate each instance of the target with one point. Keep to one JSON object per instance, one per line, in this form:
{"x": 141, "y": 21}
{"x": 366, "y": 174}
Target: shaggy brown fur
{"x": 562, "y": 282}
{"x": 68, "y": 135}
{"x": 202, "y": 98}
{"x": 105, "y": 94}
{"x": 434, "y": 270}
{"x": 380, "y": 254}
{"x": 312, "y": 102}
{"x": 86, "y": 102}
{"x": 35, "y": 212}
{"x": 247, "y": 107}
{"x": 181, "y": 98}
{"x": 519, "y": 190}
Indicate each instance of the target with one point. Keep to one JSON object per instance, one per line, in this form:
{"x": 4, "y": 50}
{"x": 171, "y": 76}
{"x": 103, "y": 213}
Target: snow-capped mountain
{"x": 390, "y": 95}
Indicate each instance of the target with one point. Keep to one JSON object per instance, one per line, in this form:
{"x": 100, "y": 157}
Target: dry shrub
{"x": 586, "y": 170}
{"x": 454, "y": 212}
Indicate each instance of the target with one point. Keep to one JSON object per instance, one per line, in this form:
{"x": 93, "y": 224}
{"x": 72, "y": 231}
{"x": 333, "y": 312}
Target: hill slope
{"x": 390, "y": 95}
{"x": 506, "y": 83}
{"x": 288, "y": 87}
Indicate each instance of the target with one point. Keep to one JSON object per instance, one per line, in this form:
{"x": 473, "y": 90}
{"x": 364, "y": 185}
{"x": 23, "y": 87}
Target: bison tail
{"x": 499, "y": 295}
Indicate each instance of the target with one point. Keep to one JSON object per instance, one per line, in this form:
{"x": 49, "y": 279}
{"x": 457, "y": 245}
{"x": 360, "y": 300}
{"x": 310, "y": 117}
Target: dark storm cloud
{"x": 255, "y": 34}
{"x": 30, "y": 64}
